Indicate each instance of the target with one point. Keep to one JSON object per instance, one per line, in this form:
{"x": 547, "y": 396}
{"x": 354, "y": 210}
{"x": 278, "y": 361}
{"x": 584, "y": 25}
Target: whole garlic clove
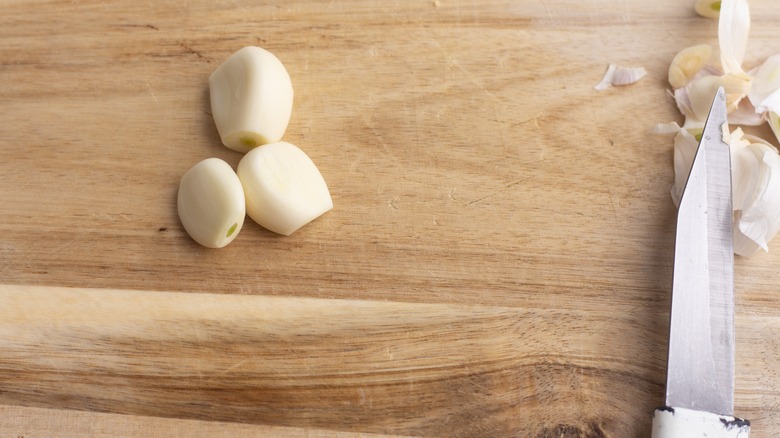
{"x": 284, "y": 189}
{"x": 211, "y": 203}
{"x": 251, "y": 99}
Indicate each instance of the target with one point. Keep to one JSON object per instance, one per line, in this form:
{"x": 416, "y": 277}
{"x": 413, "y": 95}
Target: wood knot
{"x": 590, "y": 430}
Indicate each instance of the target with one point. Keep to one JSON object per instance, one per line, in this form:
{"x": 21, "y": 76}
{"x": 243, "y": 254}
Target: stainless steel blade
{"x": 700, "y": 371}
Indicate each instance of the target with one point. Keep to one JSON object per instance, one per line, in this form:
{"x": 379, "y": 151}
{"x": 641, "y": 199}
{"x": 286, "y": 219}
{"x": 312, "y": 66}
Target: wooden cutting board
{"x": 498, "y": 261}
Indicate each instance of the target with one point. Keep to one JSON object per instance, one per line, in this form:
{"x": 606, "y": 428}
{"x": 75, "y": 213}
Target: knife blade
{"x": 700, "y": 371}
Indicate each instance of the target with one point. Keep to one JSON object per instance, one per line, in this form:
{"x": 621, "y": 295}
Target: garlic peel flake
{"x": 618, "y": 75}
{"x": 759, "y": 220}
{"x": 733, "y": 30}
{"x": 752, "y": 98}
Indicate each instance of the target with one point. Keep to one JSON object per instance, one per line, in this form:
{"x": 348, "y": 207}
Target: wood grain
{"x": 498, "y": 261}
{"x": 24, "y": 422}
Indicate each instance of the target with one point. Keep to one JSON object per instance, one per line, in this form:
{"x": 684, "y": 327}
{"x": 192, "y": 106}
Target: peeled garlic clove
{"x": 707, "y": 8}
{"x": 211, "y": 203}
{"x": 284, "y": 189}
{"x": 687, "y": 63}
{"x": 251, "y": 99}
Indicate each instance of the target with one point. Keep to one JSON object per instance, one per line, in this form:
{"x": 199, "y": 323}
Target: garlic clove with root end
{"x": 283, "y": 187}
{"x": 251, "y": 99}
{"x": 211, "y": 203}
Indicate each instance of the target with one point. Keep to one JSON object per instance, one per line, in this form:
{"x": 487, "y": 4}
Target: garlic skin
{"x": 251, "y": 99}
{"x": 755, "y": 176}
{"x": 733, "y": 30}
{"x": 618, "y": 75}
{"x": 765, "y": 92}
{"x": 753, "y": 98}
{"x": 284, "y": 189}
{"x": 211, "y": 203}
{"x": 685, "y": 145}
{"x": 758, "y": 221}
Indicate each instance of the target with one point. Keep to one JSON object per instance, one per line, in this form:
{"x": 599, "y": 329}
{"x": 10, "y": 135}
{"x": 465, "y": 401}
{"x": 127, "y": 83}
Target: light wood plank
{"x": 497, "y": 263}
{"x": 23, "y": 422}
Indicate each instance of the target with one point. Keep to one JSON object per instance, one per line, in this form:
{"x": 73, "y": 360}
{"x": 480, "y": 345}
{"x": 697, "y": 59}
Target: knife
{"x": 700, "y": 372}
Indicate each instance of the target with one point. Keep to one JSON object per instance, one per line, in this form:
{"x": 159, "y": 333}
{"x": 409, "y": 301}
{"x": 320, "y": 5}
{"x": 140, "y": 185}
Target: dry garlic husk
{"x": 765, "y": 92}
{"x": 283, "y": 187}
{"x": 700, "y": 92}
{"x": 687, "y": 63}
{"x": 733, "y": 30}
{"x": 251, "y": 99}
{"x": 758, "y": 219}
{"x": 618, "y": 75}
{"x": 686, "y": 141}
{"x": 755, "y": 175}
{"x": 211, "y": 203}
{"x": 755, "y": 163}
{"x": 708, "y": 8}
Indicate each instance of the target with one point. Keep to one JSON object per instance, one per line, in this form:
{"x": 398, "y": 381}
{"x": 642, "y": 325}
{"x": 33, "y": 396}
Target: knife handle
{"x": 688, "y": 423}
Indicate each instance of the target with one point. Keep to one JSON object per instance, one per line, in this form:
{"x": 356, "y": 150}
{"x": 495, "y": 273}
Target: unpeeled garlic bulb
{"x": 284, "y": 189}
{"x": 211, "y": 203}
{"x": 251, "y": 99}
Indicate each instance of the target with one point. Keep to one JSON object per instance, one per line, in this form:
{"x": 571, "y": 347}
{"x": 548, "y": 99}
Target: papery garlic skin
{"x": 765, "y": 91}
{"x": 759, "y": 219}
{"x": 733, "y": 30}
{"x": 755, "y": 163}
{"x": 685, "y": 145}
{"x": 618, "y": 75}
{"x": 687, "y": 63}
{"x": 755, "y": 176}
{"x": 284, "y": 189}
{"x": 211, "y": 203}
{"x": 251, "y": 99}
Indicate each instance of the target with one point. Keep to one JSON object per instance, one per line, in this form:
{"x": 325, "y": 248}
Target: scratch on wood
{"x": 151, "y": 91}
{"x": 192, "y": 51}
{"x": 506, "y": 187}
{"x": 612, "y": 204}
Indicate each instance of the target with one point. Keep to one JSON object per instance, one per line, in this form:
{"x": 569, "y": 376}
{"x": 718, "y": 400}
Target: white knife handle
{"x": 688, "y": 423}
